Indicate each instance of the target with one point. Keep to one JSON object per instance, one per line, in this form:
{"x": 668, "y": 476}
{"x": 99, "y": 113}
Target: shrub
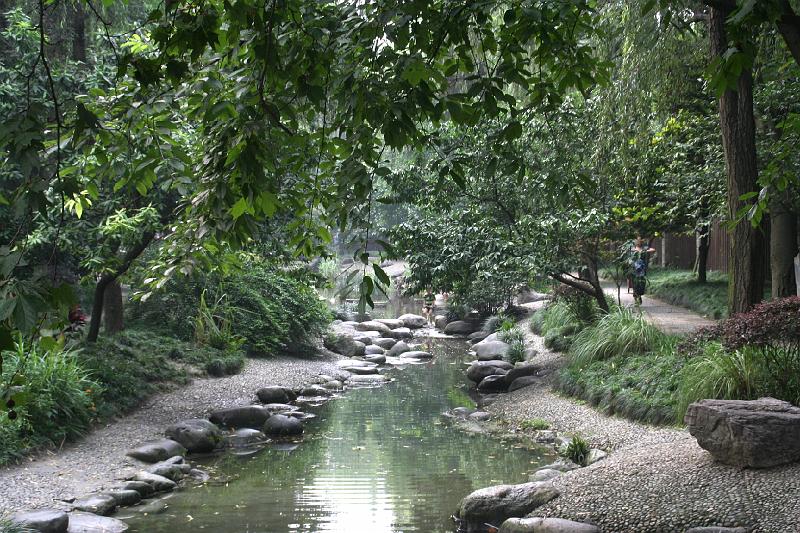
{"x": 225, "y": 366}
{"x": 556, "y": 315}
{"x": 535, "y": 424}
{"x": 582, "y": 306}
{"x": 577, "y": 450}
{"x": 721, "y": 374}
{"x": 273, "y": 311}
{"x": 556, "y": 341}
{"x": 639, "y": 387}
{"x": 516, "y": 352}
{"x": 620, "y": 332}
{"x": 512, "y": 335}
{"x": 55, "y": 404}
{"x": 212, "y": 325}
{"x": 747, "y": 355}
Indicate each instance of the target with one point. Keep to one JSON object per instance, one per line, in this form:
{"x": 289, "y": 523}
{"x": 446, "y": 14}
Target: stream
{"x": 373, "y": 460}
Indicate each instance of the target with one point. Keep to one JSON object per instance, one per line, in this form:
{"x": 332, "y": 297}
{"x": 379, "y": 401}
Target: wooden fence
{"x": 680, "y": 251}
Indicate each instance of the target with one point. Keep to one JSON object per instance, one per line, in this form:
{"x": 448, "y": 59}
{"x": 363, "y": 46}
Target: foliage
{"x": 516, "y": 351}
{"x": 55, "y": 403}
{"x": 681, "y": 288}
{"x": 638, "y": 387}
{"x": 577, "y": 450}
{"x": 746, "y": 356}
{"x": 511, "y": 334}
{"x": 621, "y": 332}
{"x": 273, "y": 311}
{"x": 581, "y": 305}
{"x": 212, "y": 326}
{"x": 225, "y": 366}
{"x": 535, "y": 424}
{"x": 492, "y": 324}
{"x": 136, "y": 363}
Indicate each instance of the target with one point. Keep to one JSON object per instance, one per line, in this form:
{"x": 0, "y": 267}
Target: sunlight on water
{"x": 374, "y": 460}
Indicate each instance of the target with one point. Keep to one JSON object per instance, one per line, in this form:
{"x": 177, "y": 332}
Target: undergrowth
{"x": 681, "y": 288}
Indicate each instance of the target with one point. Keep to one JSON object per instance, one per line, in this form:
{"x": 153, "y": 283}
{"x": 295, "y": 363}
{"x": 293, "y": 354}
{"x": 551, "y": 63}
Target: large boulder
{"x": 488, "y": 351}
{"x": 480, "y": 369}
{"x": 377, "y": 358}
{"x": 398, "y": 348}
{"x": 459, "y": 327}
{"x": 384, "y": 342}
{"x": 493, "y": 383}
{"x": 373, "y": 325}
{"x": 283, "y": 426}
{"x": 344, "y": 345}
{"x": 43, "y": 520}
{"x": 495, "y": 505}
{"x": 413, "y": 321}
{"x": 546, "y": 525}
{"x": 91, "y": 523}
{"x": 366, "y": 336}
{"x": 157, "y": 450}
{"x": 440, "y": 321}
{"x": 392, "y": 323}
{"x": 401, "y": 333}
{"x": 275, "y": 394}
{"x": 756, "y": 434}
{"x": 196, "y": 435}
{"x": 246, "y": 416}
{"x": 478, "y": 336}
{"x": 102, "y": 504}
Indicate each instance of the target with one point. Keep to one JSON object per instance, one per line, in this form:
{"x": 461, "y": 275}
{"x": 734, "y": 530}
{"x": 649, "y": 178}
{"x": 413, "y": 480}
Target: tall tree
{"x": 737, "y": 123}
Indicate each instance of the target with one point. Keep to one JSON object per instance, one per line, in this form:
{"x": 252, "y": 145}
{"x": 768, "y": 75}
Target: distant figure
{"x": 77, "y": 318}
{"x": 427, "y": 310}
{"x": 640, "y": 262}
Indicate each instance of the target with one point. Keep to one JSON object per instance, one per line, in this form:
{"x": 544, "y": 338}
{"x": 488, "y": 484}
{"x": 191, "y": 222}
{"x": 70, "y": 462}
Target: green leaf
{"x": 512, "y": 131}
{"x": 381, "y": 275}
{"x": 239, "y": 208}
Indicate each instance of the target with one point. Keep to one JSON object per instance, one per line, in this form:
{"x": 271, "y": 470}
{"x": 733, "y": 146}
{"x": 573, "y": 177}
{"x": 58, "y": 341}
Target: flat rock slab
{"x": 756, "y": 434}
{"x": 91, "y": 523}
{"x": 392, "y": 323}
{"x": 43, "y": 520}
{"x": 246, "y": 437}
{"x": 384, "y": 342}
{"x": 373, "y": 325}
{"x": 376, "y": 379}
{"x": 546, "y": 525}
{"x": 158, "y": 450}
{"x": 401, "y": 333}
{"x": 495, "y": 505}
{"x": 416, "y": 354}
{"x": 102, "y": 504}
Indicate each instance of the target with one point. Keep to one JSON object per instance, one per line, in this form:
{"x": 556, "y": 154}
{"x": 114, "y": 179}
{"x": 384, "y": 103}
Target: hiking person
{"x": 427, "y": 310}
{"x": 640, "y": 262}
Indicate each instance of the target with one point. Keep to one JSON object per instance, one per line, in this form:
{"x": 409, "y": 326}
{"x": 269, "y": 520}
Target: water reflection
{"x": 375, "y": 460}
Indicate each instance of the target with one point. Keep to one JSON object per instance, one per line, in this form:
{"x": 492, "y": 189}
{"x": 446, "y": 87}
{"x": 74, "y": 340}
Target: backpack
{"x": 639, "y": 268}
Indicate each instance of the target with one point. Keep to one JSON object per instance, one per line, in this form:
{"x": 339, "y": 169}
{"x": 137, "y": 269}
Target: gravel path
{"x": 97, "y": 460}
{"x": 655, "y": 479}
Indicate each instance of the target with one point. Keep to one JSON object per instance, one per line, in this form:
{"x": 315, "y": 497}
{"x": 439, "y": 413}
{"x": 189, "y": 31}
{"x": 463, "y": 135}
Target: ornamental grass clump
{"x": 621, "y": 332}
{"x": 745, "y": 357}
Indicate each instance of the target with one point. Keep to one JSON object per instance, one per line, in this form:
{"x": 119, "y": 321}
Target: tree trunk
{"x": 702, "y": 247}
{"x": 783, "y": 245}
{"x": 78, "y": 31}
{"x": 97, "y": 306}
{"x": 112, "y": 308}
{"x": 747, "y": 249}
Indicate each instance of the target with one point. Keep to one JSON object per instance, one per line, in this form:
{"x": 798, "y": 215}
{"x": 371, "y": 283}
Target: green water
{"x": 374, "y": 460}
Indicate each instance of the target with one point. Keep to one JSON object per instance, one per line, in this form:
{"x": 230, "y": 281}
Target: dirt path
{"x": 668, "y": 318}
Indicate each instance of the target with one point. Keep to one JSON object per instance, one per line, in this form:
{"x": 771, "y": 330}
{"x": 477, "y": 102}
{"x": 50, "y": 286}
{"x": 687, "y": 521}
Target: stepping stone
{"x": 91, "y": 523}
{"x": 43, "y": 520}
{"x": 155, "y": 451}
